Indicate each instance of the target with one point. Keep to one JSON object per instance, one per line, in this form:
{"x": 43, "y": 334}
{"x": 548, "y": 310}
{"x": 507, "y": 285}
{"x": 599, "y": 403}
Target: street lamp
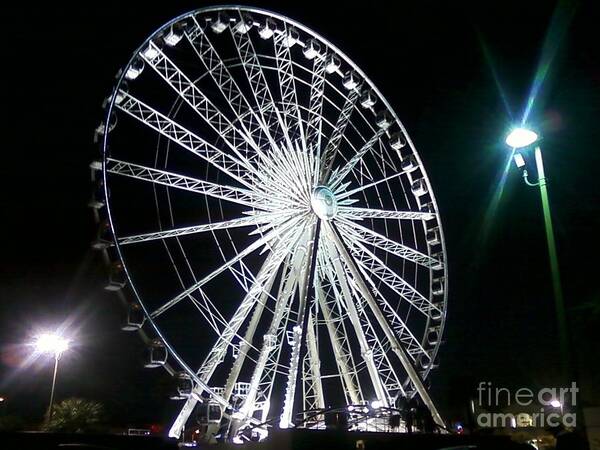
{"x": 56, "y": 345}
{"x": 520, "y": 138}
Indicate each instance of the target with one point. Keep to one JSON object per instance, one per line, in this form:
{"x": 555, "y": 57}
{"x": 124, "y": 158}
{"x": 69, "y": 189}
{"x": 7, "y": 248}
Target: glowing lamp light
{"x": 376, "y": 404}
{"x": 555, "y": 404}
{"x": 521, "y": 137}
{"x": 51, "y": 343}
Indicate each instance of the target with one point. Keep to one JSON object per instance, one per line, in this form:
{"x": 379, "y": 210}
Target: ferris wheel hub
{"x": 323, "y": 203}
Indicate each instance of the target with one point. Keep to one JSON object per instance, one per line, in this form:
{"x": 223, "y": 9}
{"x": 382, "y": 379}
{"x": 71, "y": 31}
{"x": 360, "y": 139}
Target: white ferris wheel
{"x": 272, "y": 224}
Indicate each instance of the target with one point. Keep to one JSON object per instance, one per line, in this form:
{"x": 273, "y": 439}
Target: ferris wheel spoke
{"x": 177, "y": 133}
{"x": 257, "y": 293}
{"x": 228, "y": 86}
{"x": 193, "y": 96}
{"x": 296, "y": 166}
{"x": 259, "y": 243}
{"x": 333, "y": 144}
{"x": 341, "y": 172}
{"x": 314, "y": 123}
{"x": 282, "y": 41}
{"x": 208, "y": 310}
{"x": 258, "y": 82}
{"x": 375, "y": 239}
{"x": 372, "y": 264}
{"x": 253, "y": 220}
{"x": 170, "y": 179}
{"x": 254, "y": 125}
{"x": 355, "y": 213}
{"x": 337, "y": 277}
{"x": 404, "y": 333}
{"x": 391, "y": 337}
{"x": 413, "y": 346}
{"x": 239, "y": 141}
{"x": 341, "y": 193}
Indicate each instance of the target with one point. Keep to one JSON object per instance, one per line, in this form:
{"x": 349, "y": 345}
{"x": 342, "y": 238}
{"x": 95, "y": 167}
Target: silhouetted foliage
{"x": 75, "y": 415}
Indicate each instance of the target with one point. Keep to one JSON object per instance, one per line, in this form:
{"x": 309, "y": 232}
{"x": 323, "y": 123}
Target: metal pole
{"x": 51, "y": 407}
{"x": 556, "y": 284}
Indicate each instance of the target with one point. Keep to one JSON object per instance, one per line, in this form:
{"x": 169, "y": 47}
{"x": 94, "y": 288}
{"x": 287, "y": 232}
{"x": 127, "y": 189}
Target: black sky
{"x": 428, "y": 59}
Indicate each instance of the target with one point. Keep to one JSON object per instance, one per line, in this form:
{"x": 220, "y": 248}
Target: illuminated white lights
{"x": 350, "y": 80}
{"x": 333, "y": 64}
{"x": 291, "y": 38}
{"x": 521, "y": 137}
{"x": 173, "y": 37}
{"x": 267, "y": 29}
{"x": 135, "y": 69}
{"x": 368, "y": 99}
{"x": 220, "y": 24}
{"x": 51, "y": 343}
{"x": 376, "y": 404}
{"x": 243, "y": 26}
{"x": 555, "y": 404}
{"x": 151, "y": 52}
{"x": 312, "y": 49}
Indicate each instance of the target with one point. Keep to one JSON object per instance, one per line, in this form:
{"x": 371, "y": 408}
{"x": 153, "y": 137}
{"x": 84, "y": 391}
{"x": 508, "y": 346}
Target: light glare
{"x": 521, "y": 137}
{"x": 51, "y": 343}
{"x": 555, "y": 404}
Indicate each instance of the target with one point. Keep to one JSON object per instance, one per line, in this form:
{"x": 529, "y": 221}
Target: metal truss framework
{"x": 326, "y": 220}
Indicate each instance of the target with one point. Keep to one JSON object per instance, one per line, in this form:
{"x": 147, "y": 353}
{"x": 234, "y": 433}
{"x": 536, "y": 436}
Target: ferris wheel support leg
{"x": 366, "y": 351}
{"x": 248, "y": 337}
{"x": 397, "y": 349}
{"x": 269, "y": 342}
{"x": 288, "y": 404}
{"x": 179, "y": 424}
{"x": 340, "y": 350}
{"x": 267, "y": 271}
{"x": 314, "y": 364}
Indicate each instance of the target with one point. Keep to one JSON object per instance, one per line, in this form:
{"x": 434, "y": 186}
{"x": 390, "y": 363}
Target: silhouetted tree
{"x": 75, "y": 415}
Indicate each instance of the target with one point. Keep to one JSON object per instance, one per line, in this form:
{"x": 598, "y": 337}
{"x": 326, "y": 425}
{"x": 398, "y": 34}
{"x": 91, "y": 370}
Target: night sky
{"x": 456, "y": 75}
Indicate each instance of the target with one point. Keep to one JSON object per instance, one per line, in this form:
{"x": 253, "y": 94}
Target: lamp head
{"x": 51, "y": 343}
{"x": 521, "y": 137}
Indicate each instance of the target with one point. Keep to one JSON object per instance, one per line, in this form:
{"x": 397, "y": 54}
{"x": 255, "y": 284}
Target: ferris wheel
{"x": 272, "y": 225}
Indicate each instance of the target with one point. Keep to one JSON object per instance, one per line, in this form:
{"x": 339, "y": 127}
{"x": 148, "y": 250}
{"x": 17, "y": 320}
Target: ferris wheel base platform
{"x": 303, "y": 439}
